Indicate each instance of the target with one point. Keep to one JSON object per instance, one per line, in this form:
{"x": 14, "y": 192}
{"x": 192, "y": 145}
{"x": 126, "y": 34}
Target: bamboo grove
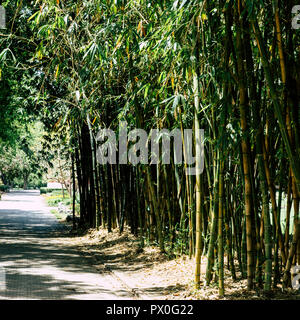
{"x": 231, "y": 67}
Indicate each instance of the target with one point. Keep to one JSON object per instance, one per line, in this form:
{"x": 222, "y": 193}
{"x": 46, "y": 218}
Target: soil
{"x": 151, "y": 274}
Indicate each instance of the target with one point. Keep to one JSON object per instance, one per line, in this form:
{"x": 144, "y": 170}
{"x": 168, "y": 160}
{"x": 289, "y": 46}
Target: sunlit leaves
{"x": 7, "y": 54}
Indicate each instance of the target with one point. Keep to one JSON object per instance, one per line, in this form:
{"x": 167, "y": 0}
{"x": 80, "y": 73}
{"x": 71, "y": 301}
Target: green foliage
{"x": 54, "y": 201}
{"x": 4, "y": 188}
{"x": 21, "y": 163}
{"x": 55, "y": 196}
{"x": 45, "y": 190}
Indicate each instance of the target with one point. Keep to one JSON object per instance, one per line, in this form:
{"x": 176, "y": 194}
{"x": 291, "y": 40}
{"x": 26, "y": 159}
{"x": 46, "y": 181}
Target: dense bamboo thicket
{"x": 229, "y": 67}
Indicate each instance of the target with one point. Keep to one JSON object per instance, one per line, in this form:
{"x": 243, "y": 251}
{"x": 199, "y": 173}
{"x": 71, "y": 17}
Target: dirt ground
{"x": 150, "y": 274}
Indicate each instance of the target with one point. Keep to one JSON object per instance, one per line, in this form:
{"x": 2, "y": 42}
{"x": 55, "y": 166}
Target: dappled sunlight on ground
{"x": 154, "y": 275}
{"x": 38, "y": 264}
{"x": 42, "y": 259}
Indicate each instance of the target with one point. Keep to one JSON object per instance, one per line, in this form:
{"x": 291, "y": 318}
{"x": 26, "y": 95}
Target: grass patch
{"x": 54, "y": 197}
{"x": 57, "y": 215}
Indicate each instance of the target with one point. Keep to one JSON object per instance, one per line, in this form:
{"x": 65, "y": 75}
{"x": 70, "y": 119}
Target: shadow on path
{"x": 37, "y": 263}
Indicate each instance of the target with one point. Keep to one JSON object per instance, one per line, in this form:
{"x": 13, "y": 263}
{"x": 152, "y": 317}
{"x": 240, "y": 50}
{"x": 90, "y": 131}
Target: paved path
{"x": 35, "y": 262}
